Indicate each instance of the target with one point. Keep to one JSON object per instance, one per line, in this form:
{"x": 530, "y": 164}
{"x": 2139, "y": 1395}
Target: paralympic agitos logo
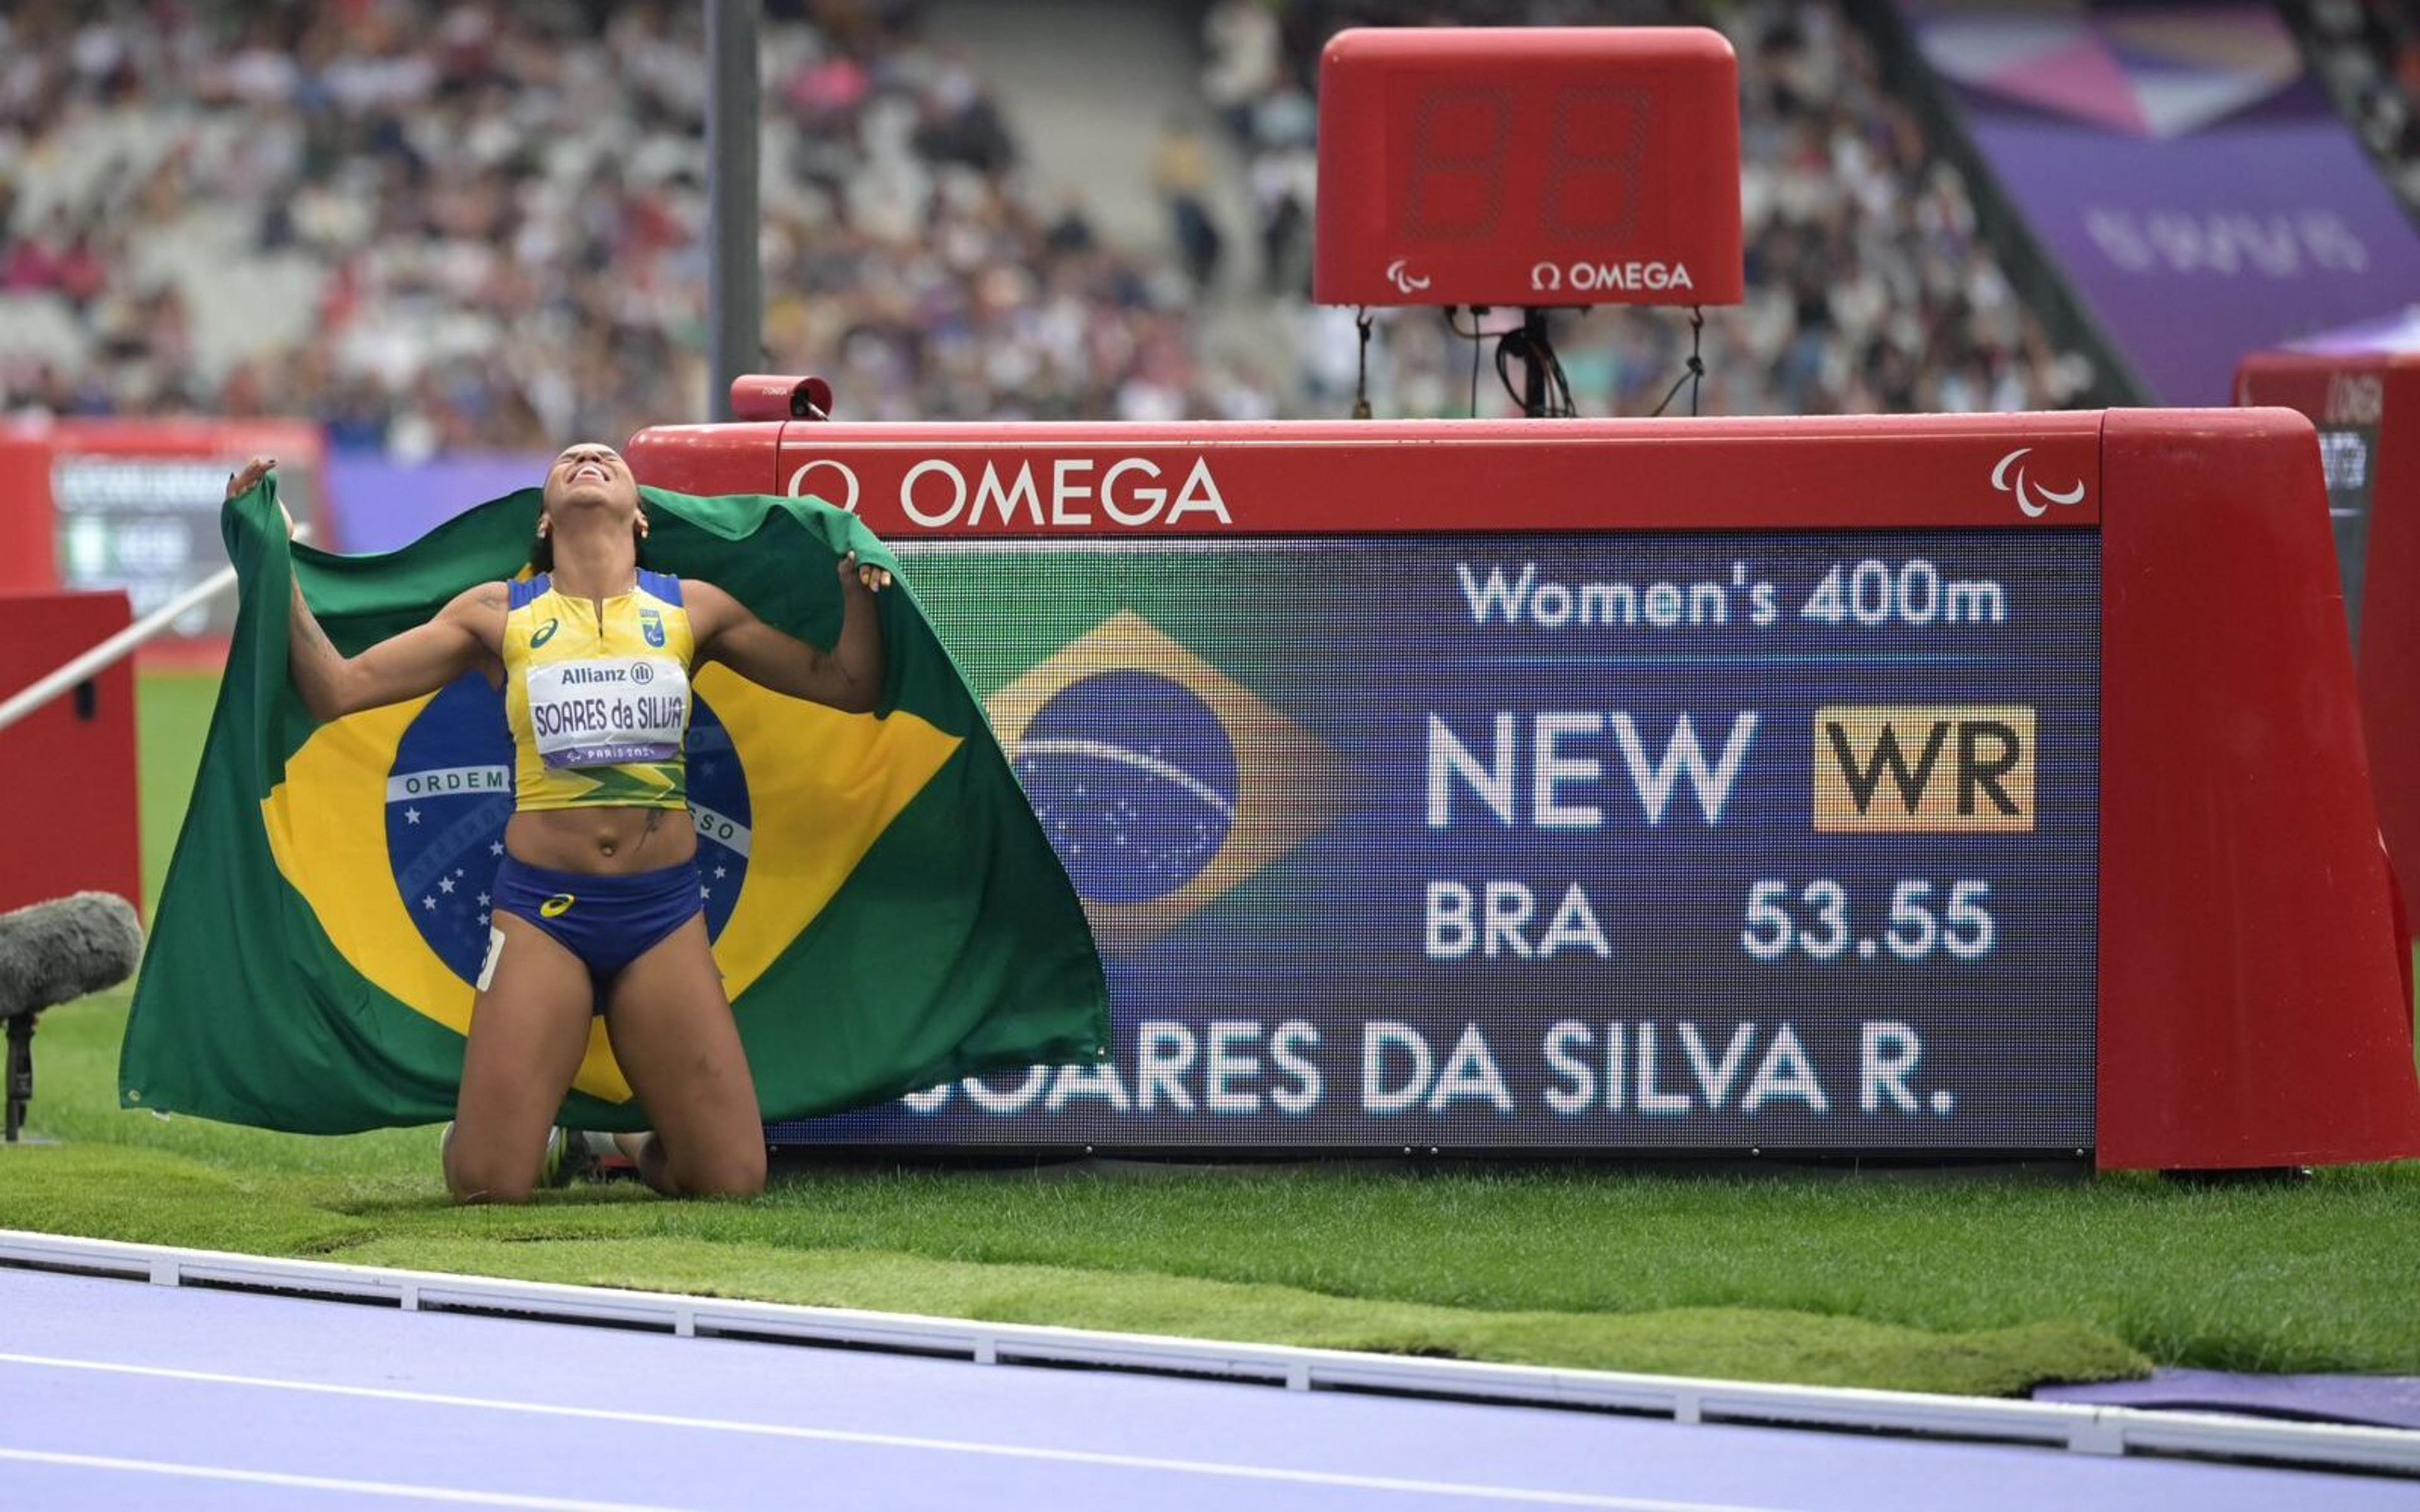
{"x": 2035, "y": 498}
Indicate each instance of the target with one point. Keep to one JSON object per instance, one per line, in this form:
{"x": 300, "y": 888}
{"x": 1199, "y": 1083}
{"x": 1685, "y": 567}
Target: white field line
{"x": 322, "y": 1483}
{"x": 886, "y": 1441}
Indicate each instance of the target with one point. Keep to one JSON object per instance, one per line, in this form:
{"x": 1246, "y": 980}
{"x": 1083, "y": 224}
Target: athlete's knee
{"x": 474, "y": 1193}
{"x": 736, "y": 1172}
{"x": 482, "y": 1177}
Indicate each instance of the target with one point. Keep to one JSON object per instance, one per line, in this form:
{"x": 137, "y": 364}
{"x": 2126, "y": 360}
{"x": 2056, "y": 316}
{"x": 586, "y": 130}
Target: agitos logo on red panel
{"x": 2035, "y": 495}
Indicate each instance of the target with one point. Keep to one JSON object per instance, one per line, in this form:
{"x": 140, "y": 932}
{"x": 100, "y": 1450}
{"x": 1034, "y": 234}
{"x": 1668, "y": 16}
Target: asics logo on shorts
{"x": 556, "y": 906}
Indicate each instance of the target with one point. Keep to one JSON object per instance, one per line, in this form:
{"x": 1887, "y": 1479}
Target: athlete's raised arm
{"x": 464, "y": 634}
{"x": 847, "y": 677}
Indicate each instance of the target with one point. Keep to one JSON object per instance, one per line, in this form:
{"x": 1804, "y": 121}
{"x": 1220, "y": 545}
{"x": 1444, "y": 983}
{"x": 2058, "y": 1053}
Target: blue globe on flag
{"x": 1135, "y": 781}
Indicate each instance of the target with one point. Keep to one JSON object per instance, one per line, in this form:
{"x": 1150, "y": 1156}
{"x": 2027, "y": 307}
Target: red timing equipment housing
{"x": 2252, "y": 1002}
{"x": 1529, "y": 167}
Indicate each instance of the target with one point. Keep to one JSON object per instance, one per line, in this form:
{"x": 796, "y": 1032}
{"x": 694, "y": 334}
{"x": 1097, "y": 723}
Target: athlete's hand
{"x": 868, "y": 577}
{"x": 240, "y": 484}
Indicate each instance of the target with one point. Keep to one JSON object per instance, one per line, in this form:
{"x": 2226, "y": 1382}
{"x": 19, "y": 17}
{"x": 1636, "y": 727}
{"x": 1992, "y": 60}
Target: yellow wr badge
{"x": 556, "y": 906}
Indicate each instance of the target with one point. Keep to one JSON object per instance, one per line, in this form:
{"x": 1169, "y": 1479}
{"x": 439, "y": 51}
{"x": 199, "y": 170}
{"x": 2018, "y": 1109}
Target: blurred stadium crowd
{"x": 442, "y": 226}
{"x": 2370, "y": 52}
{"x": 1870, "y": 286}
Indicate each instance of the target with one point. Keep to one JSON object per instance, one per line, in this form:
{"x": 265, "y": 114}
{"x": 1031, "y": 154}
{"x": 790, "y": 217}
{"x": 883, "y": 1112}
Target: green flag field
{"x": 1924, "y": 1280}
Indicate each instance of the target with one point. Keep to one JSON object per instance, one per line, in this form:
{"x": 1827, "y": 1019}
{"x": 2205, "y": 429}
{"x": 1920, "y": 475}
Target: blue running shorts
{"x": 607, "y": 921}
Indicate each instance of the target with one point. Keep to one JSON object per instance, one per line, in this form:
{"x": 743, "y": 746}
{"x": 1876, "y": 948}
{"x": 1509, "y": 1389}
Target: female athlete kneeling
{"x": 595, "y": 905}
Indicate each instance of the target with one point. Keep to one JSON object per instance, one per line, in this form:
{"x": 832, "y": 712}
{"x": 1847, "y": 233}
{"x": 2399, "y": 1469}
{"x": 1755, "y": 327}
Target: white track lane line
{"x": 323, "y": 1482}
{"x": 895, "y": 1441}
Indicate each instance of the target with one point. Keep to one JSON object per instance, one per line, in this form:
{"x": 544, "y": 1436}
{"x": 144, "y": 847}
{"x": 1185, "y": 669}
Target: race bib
{"x": 607, "y": 710}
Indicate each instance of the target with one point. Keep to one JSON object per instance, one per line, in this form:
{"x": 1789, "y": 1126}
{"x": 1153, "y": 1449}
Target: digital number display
{"x": 1530, "y": 165}
{"x": 1698, "y": 842}
{"x": 1459, "y": 152}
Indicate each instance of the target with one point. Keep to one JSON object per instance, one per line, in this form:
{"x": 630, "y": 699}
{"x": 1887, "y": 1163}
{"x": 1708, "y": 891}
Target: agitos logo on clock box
{"x": 1924, "y": 768}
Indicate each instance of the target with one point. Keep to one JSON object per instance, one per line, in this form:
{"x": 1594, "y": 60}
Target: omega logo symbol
{"x": 849, "y": 475}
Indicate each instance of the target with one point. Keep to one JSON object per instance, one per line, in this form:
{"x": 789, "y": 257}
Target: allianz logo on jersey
{"x": 1074, "y": 492}
{"x": 579, "y": 676}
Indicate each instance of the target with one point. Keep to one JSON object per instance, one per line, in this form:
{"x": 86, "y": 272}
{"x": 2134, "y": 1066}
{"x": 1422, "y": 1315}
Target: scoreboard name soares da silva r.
{"x": 1683, "y": 786}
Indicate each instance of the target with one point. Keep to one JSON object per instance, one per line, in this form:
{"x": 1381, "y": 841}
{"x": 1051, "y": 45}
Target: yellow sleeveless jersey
{"x": 599, "y": 708}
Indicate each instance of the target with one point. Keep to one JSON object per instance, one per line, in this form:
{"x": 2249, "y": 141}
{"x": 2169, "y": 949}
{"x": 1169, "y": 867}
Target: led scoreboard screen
{"x": 1915, "y": 784}
{"x": 1689, "y": 841}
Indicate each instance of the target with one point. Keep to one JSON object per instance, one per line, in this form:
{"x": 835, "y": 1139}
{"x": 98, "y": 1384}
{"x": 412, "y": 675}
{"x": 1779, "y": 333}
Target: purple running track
{"x": 125, "y": 1394}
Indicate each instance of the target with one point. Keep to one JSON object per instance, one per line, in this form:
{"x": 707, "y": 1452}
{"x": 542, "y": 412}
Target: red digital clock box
{"x": 1510, "y": 166}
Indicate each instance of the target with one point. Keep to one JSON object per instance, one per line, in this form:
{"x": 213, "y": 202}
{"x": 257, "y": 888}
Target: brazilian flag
{"x": 885, "y": 909}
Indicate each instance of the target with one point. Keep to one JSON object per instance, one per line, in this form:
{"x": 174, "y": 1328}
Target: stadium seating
{"x": 495, "y": 242}
{"x": 2368, "y": 51}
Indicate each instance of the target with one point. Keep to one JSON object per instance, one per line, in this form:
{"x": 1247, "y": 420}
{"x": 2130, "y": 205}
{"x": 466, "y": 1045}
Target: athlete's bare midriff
{"x": 602, "y": 842}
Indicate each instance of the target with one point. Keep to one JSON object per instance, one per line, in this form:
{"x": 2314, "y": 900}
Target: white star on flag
{"x": 445, "y": 884}
{"x": 718, "y": 873}
{"x": 483, "y": 900}
{"x": 429, "y": 904}
{"x": 411, "y": 816}
{"x": 496, "y": 847}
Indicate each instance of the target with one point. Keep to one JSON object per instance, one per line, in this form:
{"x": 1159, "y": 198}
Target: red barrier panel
{"x": 2251, "y": 997}
{"x": 2367, "y": 409}
{"x": 1351, "y": 477}
{"x": 2251, "y": 1008}
{"x": 79, "y": 823}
